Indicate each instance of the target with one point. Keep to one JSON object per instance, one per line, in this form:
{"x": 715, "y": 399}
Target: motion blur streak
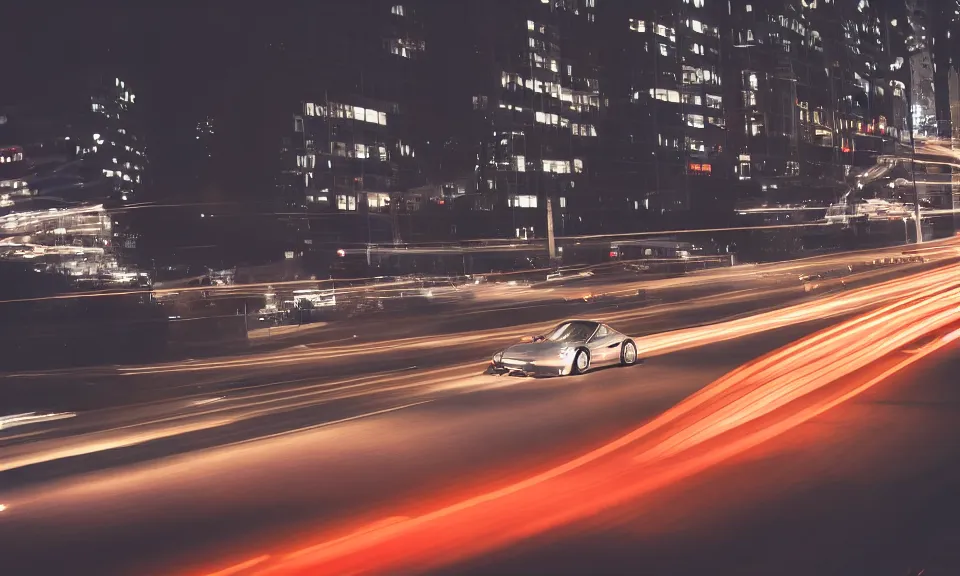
{"x": 243, "y": 408}
{"x": 774, "y": 394}
{"x": 76, "y": 447}
{"x": 31, "y": 418}
{"x": 844, "y": 303}
{"x": 242, "y": 566}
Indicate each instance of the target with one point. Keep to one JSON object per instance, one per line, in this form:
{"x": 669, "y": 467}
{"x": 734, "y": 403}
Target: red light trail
{"x": 748, "y": 406}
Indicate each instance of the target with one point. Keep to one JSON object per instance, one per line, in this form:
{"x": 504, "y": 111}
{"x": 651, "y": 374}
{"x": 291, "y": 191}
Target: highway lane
{"x": 392, "y": 397}
{"x": 193, "y": 509}
{"x": 258, "y": 498}
{"x": 867, "y": 488}
{"x": 250, "y": 401}
{"x": 501, "y": 305}
{"x": 81, "y": 390}
{"x": 467, "y": 337}
{"x": 746, "y": 408}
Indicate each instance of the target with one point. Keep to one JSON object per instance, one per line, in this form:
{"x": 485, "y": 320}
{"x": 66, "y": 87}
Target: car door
{"x": 605, "y": 346}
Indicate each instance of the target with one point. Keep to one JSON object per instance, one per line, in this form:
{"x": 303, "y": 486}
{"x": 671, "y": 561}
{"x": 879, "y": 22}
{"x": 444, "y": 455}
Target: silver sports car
{"x": 573, "y": 347}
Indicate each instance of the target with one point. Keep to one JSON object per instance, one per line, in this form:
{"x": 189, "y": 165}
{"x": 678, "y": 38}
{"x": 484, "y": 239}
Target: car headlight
{"x": 498, "y": 357}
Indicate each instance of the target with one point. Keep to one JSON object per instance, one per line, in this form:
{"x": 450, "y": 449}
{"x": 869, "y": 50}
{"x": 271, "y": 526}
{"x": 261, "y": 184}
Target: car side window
{"x": 602, "y": 332}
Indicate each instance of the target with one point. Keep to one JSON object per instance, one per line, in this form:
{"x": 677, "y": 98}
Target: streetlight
{"x": 906, "y": 231}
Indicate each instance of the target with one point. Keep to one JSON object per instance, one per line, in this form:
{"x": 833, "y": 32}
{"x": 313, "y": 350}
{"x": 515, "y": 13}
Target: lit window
{"x": 638, "y": 25}
{"x": 577, "y": 166}
{"x": 397, "y": 10}
{"x": 665, "y": 95}
{"x": 749, "y": 8}
{"x": 563, "y": 202}
{"x": 698, "y": 3}
{"x": 520, "y": 163}
{"x": 695, "y": 25}
{"x": 695, "y": 120}
{"x": 522, "y": 201}
{"x": 584, "y": 130}
{"x": 556, "y": 166}
{"x": 360, "y": 151}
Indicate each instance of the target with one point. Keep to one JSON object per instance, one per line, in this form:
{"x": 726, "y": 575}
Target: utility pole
{"x": 913, "y": 165}
{"x": 551, "y": 243}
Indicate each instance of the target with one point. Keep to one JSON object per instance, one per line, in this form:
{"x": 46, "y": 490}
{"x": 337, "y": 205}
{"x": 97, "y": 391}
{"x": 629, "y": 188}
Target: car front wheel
{"x": 581, "y": 362}
{"x": 628, "y": 353}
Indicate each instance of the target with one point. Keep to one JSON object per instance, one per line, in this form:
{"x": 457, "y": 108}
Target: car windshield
{"x": 572, "y": 332}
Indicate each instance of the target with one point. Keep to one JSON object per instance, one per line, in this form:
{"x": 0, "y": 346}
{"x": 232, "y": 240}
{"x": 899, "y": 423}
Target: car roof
{"x": 593, "y": 323}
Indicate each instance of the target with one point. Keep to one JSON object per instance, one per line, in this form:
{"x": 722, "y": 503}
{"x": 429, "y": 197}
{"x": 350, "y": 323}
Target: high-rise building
{"x": 820, "y": 91}
{"x": 56, "y": 192}
{"x": 667, "y": 116}
{"x": 351, "y": 145}
{"x": 201, "y": 158}
{"x": 110, "y": 144}
{"x": 945, "y": 50}
{"x": 111, "y": 140}
{"x": 923, "y": 107}
{"x": 536, "y": 112}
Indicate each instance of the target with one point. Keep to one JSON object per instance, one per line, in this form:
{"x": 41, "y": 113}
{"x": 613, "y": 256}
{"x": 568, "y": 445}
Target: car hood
{"x": 534, "y": 350}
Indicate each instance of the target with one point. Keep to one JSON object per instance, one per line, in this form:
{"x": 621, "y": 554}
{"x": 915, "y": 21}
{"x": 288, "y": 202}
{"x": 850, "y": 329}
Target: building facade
{"x": 351, "y": 145}
{"x": 821, "y": 92}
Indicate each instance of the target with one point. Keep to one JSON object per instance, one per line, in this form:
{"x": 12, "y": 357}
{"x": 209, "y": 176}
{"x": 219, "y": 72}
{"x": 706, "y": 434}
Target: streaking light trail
{"x": 843, "y": 303}
{"x": 748, "y": 406}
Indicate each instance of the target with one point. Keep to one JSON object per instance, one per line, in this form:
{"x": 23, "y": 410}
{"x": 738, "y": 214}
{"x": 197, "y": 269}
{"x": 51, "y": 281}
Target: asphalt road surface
{"x": 864, "y": 487}
{"x": 832, "y": 455}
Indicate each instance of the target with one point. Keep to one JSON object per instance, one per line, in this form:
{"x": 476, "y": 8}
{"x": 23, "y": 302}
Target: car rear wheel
{"x": 581, "y": 362}
{"x": 628, "y": 353}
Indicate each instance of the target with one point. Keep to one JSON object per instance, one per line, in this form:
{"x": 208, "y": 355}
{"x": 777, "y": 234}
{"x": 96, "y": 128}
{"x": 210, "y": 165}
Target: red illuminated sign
{"x": 701, "y": 168}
